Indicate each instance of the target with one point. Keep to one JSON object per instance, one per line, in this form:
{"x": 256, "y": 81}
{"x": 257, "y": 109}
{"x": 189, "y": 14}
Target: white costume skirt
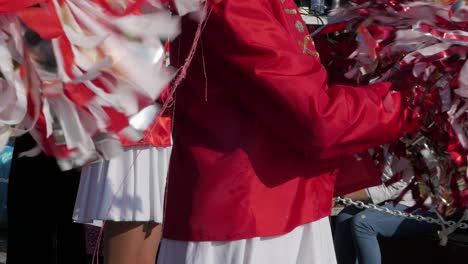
{"x": 307, "y": 244}
{"x": 127, "y": 188}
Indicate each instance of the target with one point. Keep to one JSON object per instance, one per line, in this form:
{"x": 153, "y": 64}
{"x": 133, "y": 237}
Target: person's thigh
{"x": 342, "y": 228}
{"x": 388, "y": 225}
{"x": 411, "y": 227}
{"x": 374, "y": 222}
{"x": 347, "y": 213}
{"x": 343, "y": 239}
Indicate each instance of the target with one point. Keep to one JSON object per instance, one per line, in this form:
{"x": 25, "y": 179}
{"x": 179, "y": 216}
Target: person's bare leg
{"x": 150, "y": 245}
{"x": 131, "y": 242}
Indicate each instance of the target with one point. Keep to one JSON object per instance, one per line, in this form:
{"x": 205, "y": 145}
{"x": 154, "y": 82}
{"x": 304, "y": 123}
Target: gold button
{"x": 304, "y": 46}
{"x": 299, "y": 26}
{"x": 290, "y": 11}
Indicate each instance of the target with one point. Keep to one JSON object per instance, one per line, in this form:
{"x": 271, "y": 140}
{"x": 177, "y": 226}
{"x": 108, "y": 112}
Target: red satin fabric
{"x": 257, "y": 149}
{"x": 10, "y": 6}
{"x": 119, "y": 9}
{"x": 159, "y": 133}
{"x": 43, "y": 20}
{"x": 357, "y": 172}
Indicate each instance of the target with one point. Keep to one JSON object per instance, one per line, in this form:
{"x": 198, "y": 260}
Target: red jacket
{"x": 258, "y": 142}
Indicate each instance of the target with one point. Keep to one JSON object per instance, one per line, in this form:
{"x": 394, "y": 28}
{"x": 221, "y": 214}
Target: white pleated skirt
{"x": 127, "y": 188}
{"x": 307, "y": 244}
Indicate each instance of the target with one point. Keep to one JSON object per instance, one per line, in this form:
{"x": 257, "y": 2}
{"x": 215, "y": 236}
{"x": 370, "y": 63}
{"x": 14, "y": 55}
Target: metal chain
{"x": 420, "y": 218}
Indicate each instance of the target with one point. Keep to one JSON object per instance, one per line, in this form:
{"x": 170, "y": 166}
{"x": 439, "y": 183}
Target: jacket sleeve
{"x": 381, "y": 193}
{"x": 287, "y": 89}
{"x": 391, "y": 188}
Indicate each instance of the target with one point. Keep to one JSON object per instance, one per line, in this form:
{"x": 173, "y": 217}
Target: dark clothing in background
{"x": 40, "y": 206}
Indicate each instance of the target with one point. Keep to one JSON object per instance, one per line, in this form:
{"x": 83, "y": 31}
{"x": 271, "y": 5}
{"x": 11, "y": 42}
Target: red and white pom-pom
{"x": 110, "y": 69}
{"x": 422, "y": 48}
{"x": 13, "y": 99}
